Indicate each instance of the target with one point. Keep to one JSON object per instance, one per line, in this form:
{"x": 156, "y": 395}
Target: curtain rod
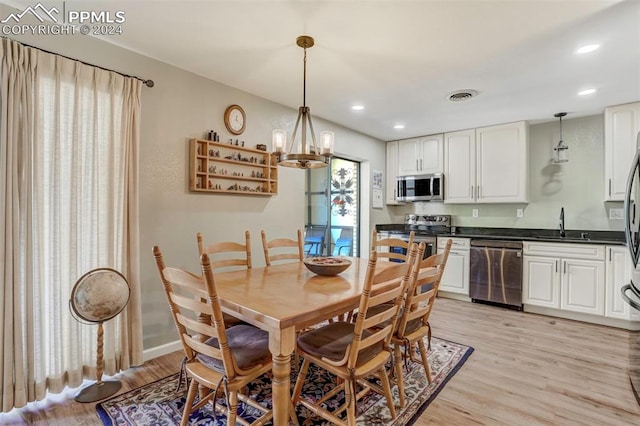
{"x": 148, "y": 83}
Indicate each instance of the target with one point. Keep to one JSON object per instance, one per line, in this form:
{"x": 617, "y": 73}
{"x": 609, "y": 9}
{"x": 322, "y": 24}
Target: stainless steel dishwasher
{"x": 496, "y": 272}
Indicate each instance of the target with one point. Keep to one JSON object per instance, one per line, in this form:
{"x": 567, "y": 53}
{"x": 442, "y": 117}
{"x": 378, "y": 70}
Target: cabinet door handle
{"x": 471, "y": 191}
{"x": 565, "y": 267}
{"x": 609, "y": 187}
{"x": 479, "y": 192}
{"x": 417, "y": 164}
{"x": 609, "y": 254}
{"x": 421, "y": 164}
{"x": 556, "y": 262}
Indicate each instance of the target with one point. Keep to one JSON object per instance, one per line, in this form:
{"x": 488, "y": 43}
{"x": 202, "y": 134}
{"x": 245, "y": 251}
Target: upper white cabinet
{"x": 392, "y": 173}
{"x": 421, "y": 155}
{"x": 460, "y": 166}
{"x": 487, "y": 165}
{"x": 621, "y": 127}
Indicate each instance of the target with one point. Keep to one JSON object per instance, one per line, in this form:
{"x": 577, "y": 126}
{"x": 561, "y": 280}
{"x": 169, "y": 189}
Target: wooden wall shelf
{"x": 222, "y": 168}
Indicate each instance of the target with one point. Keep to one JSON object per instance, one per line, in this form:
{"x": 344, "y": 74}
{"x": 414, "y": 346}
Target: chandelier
{"x": 302, "y": 155}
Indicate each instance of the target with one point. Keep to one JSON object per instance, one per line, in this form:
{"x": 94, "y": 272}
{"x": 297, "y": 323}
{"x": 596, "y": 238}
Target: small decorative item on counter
{"x": 261, "y": 147}
{"x": 242, "y": 143}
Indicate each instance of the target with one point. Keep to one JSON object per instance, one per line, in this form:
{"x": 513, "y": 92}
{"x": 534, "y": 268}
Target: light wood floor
{"x": 527, "y": 369}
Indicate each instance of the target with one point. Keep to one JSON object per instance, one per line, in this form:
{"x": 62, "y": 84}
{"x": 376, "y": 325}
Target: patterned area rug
{"x": 160, "y": 403}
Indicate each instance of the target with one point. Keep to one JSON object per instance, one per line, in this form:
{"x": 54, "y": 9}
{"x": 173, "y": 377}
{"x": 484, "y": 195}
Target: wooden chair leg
{"x": 387, "y": 392}
{"x": 425, "y": 361}
{"x": 350, "y": 399}
{"x": 292, "y": 413}
{"x": 191, "y": 396}
{"x": 302, "y": 374}
{"x": 232, "y": 409}
{"x": 397, "y": 351}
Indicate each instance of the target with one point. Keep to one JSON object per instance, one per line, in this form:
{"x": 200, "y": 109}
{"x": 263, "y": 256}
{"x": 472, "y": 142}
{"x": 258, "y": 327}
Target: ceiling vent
{"x": 462, "y": 95}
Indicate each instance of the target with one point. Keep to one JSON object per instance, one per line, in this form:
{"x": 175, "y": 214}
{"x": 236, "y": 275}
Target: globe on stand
{"x": 98, "y": 296}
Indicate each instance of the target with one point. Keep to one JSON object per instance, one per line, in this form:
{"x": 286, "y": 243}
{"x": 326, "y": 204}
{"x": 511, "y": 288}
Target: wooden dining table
{"x": 283, "y": 299}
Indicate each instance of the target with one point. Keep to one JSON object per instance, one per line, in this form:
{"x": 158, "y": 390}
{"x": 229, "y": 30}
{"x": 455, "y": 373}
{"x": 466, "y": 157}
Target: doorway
{"x": 332, "y": 213}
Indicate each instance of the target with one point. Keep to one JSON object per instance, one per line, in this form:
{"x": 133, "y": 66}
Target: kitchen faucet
{"x": 562, "y": 233}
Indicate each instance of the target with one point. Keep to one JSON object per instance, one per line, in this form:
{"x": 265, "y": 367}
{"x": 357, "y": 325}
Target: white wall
{"x": 578, "y": 185}
{"x": 181, "y": 106}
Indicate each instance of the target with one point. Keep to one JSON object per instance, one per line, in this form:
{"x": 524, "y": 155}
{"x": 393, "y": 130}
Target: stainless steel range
{"x": 426, "y": 228}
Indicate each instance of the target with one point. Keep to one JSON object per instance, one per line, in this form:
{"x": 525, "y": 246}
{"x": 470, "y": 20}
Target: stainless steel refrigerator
{"x": 631, "y": 291}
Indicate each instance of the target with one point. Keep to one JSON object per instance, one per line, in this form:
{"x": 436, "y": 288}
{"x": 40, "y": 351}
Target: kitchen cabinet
{"x": 487, "y": 165}
{"x": 421, "y": 155}
{"x": 392, "y": 173}
{"x": 619, "y": 267}
{"x": 570, "y": 277}
{"x": 540, "y": 281}
{"x": 455, "y": 278}
{"x": 460, "y": 166}
{"x": 621, "y": 127}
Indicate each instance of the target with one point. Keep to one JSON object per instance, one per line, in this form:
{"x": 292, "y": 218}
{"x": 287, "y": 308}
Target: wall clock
{"x": 235, "y": 119}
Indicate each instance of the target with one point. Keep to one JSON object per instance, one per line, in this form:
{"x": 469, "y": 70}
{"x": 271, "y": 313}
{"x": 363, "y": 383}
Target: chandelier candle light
{"x": 309, "y": 156}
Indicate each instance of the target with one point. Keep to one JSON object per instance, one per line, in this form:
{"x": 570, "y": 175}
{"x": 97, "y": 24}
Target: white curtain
{"x": 69, "y": 136}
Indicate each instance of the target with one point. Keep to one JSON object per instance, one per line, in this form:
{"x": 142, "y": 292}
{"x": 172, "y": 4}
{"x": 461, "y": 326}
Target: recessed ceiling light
{"x": 357, "y": 107}
{"x": 586, "y": 92}
{"x": 587, "y": 49}
{"x": 399, "y": 126}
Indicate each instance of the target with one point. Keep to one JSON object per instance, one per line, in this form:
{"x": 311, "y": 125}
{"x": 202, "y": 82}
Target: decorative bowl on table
{"x": 328, "y": 266}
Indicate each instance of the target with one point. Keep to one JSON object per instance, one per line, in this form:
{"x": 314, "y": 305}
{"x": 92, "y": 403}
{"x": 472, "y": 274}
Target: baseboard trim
{"x": 167, "y": 348}
{"x": 455, "y": 296}
{"x": 577, "y": 316}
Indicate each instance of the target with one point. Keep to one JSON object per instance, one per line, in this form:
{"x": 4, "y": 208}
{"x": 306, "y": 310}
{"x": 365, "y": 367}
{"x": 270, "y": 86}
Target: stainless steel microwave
{"x": 420, "y": 187}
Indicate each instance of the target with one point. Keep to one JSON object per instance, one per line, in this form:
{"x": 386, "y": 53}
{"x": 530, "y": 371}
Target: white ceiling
{"x": 400, "y": 59}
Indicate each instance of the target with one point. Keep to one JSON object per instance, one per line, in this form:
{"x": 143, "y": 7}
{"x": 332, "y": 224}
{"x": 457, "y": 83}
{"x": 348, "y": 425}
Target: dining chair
{"x": 355, "y": 351}
{"x": 273, "y": 250}
{"x": 394, "y": 249}
{"x": 314, "y": 240}
{"x": 226, "y": 252}
{"x": 344, "y": 243}
{"x": 227, "y": 256}
{"x": 413, "y": 324}
{"x": 222, "y": 360}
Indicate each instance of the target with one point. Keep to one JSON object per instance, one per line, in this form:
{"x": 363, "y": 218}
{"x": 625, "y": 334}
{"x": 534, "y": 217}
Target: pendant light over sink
{"x": 561, "y": 154}
{"x": 307, "y": 156}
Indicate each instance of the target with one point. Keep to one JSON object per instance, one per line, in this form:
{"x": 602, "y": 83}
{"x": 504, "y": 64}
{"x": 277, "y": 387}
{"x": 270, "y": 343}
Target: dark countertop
{"x": 517, "y": 234}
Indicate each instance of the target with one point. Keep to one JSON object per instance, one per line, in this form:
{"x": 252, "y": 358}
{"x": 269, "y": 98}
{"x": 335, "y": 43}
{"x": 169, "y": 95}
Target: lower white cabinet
{"x": 541, "y": 281}
{"x": 455, "y": 278}
{"x": 618, "y": 273}
{"x": 570, "y": 277}
{"x": 582, "y": 285}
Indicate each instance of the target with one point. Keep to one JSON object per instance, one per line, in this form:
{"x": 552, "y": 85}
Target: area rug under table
{"x": 161, "y": 402}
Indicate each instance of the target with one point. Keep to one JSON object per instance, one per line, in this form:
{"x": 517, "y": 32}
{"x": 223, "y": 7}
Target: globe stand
{"x": 99, "y": 390}
{"x": 98, "y": 296}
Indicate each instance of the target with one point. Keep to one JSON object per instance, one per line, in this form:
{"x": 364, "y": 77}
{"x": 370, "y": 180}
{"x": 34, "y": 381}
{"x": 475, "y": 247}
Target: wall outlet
{"x": 474, "y": 212}
{"x": 616, "y": 214}
{"x": 519, "y": 213}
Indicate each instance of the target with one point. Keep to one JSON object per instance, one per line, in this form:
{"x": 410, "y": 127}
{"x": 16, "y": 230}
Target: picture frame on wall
{"x": 377, "y": 179}
{"x": 377, "y": 189}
